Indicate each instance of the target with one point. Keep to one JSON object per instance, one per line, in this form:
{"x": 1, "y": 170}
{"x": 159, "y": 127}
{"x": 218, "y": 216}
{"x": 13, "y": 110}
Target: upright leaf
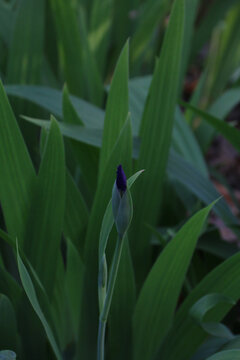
{"x": 224, "y": 280}
{"x": 47, "y": 210}
{"x": 69, "y": 44}
{"x": 158, "y": 298}
{"x": 26, "y": 49}
{"x": 155, "y": 133}
{"x": 92, "y": 75}
{"x": 76, "y": 215}
{"x": 151, "y": 14}
{"x": 86, "y": 156}
{"x": 17, "y": 173}
{"x": 117, "y": 108}
{"x": 100, "y": 25}
{"x": 191, "y": 9}
{"x": 73, "y": 281}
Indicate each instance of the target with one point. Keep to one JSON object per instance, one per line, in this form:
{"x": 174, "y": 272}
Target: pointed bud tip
{"x": 121, "y": 179}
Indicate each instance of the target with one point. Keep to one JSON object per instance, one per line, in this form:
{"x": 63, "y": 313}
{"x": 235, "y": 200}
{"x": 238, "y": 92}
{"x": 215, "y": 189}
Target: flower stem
{"x": 101, "y": 339}
{"x": 107, "y": 303}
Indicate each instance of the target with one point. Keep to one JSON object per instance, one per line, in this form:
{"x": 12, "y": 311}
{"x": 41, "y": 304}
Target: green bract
{"x": 122, "y": 209}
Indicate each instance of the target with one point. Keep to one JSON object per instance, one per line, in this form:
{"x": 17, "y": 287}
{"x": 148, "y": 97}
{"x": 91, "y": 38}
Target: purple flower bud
{"x": 121, "y": 179}
{"x": 121, "y": 203}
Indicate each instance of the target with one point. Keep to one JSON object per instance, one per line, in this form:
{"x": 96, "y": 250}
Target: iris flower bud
{"x": 121, "y": 203}
{"x": 121, "y": 179}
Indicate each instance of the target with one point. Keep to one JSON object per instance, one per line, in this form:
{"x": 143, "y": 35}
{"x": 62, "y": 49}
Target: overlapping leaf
{"x": 158, "y": 298}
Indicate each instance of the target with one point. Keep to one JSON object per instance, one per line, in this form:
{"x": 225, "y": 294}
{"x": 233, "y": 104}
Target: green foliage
{"x": 8, "y": 324}
{"x": 163, "y": 290}
{"x": 158, "y": 298}
{"x": 31, "y": 294}
{"x": 155, "y": 134}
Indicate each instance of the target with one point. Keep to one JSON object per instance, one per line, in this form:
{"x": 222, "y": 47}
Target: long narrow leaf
{"x": 155, "y": 133}
{"x": 223, "y": 280}
{"x": 18, "y": 175}
{"x": 51, "y": 100}
{"x": 229, "y": 132}
{"x": 70, "y": 43}
{"x": 76, "y": 215}
{"x": 25, "y": 57}
{"x": 117, "y": 108}
{"x": 31, "y": 294}
{"x": 47, "y": 210}
{"x": 158, "y": 298}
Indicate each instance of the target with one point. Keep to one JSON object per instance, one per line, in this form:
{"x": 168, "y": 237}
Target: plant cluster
{"x": 106, "y": 248}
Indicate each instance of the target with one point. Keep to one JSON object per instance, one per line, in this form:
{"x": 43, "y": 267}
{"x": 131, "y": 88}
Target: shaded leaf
{"x": 156, "y": 304}
{"x": 47, "y": 210}
{"x": 31, "y": 294}
{"x": 18, "y": 175}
